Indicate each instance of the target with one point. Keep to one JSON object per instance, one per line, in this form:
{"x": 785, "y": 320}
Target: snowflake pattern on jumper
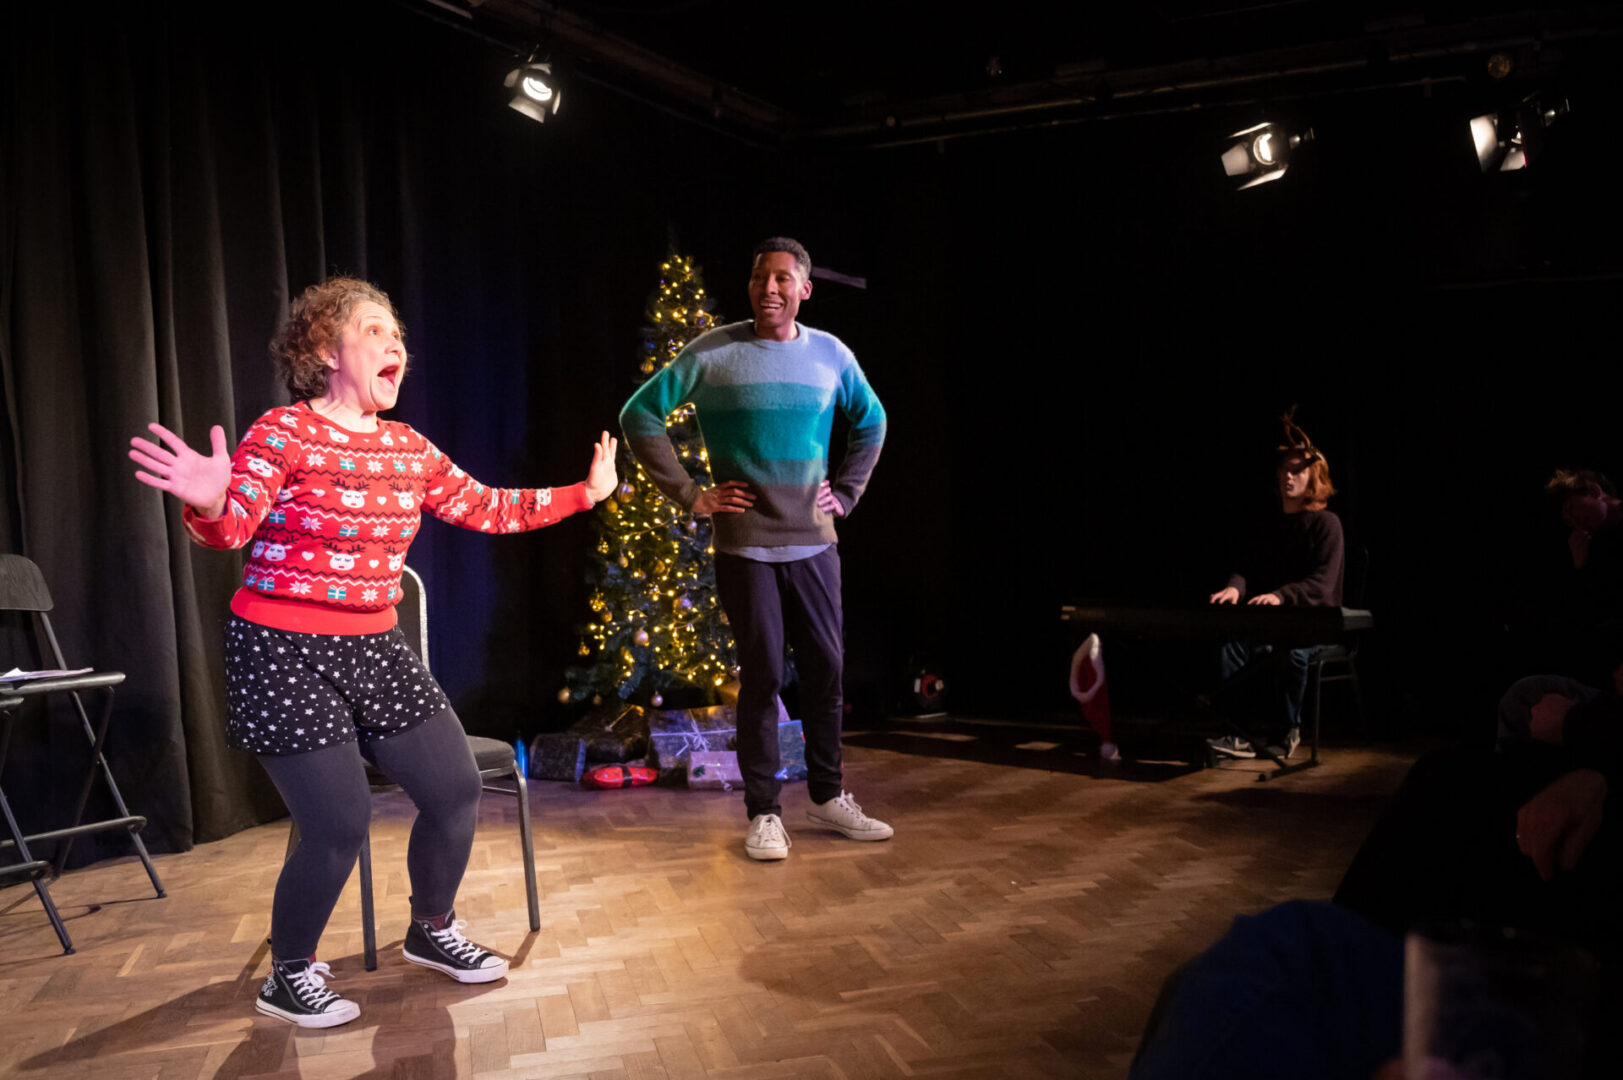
{"x": 290, "y": 693}
{"x": 331, "y": 513}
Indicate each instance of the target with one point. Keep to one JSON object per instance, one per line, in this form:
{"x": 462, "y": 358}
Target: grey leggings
{"x": 327, "y": 792}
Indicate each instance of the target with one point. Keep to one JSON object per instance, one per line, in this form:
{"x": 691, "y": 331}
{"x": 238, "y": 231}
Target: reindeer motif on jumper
{"x": 396, "y": 554}
{"x": 403, "y": 495}
{"x": 352, "y": 495}
{"x": 269, "y": 551}
{"x": 342, "y": 558}
{"x": 335, "y": 435}
{"x": 397, "y": 557}
{"x": 387, "y": 439}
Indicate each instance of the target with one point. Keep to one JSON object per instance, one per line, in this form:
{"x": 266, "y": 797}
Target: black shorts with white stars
{"x": 290, "y": 693}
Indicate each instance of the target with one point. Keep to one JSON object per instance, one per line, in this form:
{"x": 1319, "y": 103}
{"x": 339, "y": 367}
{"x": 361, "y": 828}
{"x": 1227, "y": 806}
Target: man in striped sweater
{"x": 765, "y": 392}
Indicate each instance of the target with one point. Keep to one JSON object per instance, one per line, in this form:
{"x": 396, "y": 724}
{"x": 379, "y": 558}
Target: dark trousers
{"x": 768, "y": 604}
{"x": 329, "y": 797}
{"x": 1263, "y": 687}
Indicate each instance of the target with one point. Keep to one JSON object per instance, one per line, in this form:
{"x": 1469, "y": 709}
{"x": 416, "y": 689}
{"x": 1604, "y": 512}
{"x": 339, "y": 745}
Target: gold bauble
{"x": 640, "y": 637}
{"x": 563, "y": 695}
{"x": 656, "y": 701}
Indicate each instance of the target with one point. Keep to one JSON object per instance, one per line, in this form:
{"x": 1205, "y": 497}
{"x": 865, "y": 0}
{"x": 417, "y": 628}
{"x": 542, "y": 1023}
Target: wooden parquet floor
{"x": 1018, "y": 925}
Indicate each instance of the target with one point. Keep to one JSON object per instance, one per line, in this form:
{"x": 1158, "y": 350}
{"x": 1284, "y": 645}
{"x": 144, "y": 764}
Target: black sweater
{"x": 1299, "y": 556}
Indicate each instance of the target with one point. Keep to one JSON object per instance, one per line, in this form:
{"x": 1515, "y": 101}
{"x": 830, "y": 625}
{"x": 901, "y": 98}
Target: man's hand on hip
{"x": 828, "y": 502}
{"x": 727, "y": 497}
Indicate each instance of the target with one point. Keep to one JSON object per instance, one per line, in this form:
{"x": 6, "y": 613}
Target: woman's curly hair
{"x": 315, "y": 322}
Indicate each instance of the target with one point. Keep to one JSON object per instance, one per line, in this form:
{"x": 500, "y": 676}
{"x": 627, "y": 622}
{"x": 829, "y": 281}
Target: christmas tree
{"x": 657, "y": 626}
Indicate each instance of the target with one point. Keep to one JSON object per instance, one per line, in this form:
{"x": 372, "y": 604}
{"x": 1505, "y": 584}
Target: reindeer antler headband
{"x": 1296, "y": 440}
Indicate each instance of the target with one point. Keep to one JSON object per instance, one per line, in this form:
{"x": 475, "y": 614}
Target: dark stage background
{"x": 1082, "y": 337}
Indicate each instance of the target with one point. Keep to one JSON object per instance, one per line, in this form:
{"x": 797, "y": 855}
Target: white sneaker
{"x": 766, "y": 839}
{"x": 845, "y": 815}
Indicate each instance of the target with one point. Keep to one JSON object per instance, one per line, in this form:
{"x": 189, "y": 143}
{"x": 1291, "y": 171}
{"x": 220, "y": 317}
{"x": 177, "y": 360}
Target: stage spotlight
{"x": 1261, "y": 153}
{"x": 1510, "y": 139}
{"x": 535, "y": 91}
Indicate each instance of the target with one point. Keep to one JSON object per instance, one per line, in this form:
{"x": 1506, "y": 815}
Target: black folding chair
{"x": 1342, "y": 656}
{"x": 23, "y": 589}
{"x": 495, "y": 759}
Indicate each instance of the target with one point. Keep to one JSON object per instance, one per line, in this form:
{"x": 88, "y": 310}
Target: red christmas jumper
{"x": 331, "y": 513}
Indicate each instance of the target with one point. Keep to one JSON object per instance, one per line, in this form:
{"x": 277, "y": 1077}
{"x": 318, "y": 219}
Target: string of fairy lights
{"x": 656, "y": 622}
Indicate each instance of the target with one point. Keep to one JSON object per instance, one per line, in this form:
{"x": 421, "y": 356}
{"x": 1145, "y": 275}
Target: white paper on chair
{"x": 18, "y": 675}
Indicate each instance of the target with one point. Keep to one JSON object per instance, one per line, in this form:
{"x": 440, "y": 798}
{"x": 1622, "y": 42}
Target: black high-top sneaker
{"x": 296, "y": 991}
{"x": 439, "y": 944}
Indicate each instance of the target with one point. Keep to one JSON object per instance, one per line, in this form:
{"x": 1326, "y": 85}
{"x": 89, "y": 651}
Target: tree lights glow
{"x": 656, "y": 624}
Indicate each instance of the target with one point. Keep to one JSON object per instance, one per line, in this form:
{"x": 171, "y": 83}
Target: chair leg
{"x": 527, "y": 844}
{"x": 39, "y": 881}
{"x": 98, "y": 741}
{"x": 1358, "y": 697}
{"x": 369, "y": 928}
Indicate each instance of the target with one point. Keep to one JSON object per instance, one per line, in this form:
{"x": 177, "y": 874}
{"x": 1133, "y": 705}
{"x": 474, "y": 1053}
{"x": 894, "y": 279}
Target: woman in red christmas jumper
{"x": 317, "y": 674}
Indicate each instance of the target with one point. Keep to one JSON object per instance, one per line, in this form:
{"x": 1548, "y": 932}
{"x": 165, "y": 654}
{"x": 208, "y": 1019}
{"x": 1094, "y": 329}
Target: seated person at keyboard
{"x": 1295, "y": 558}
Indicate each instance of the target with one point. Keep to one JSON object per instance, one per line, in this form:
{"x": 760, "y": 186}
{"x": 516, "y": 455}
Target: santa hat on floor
{"x": 1088, "y": 687}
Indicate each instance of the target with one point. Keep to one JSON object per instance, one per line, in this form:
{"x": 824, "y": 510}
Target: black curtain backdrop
{"x": 1082, "y": 337}
{"x": 167, "y": 185}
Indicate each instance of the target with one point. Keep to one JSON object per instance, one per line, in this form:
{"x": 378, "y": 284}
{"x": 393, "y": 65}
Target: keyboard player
{"x": 1295, "y": 557}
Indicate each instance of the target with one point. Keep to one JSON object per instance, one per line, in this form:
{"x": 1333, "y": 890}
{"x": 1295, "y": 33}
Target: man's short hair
{"x": 784, "y": 243}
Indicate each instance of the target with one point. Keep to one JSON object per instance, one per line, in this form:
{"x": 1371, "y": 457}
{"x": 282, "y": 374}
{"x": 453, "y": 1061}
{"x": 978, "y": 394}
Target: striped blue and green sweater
{"x": 765, "y": 410}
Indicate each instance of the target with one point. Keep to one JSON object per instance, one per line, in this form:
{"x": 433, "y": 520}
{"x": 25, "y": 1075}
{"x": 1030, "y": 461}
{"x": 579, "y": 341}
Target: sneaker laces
{"x": 849, "y": 802}
{"x": 769, "y": 830}
{"x": 310, "y": 988}
{"x": 451, "y": 940}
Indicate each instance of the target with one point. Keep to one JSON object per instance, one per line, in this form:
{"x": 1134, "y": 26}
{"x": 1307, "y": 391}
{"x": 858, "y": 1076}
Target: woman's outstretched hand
{"x": 199, "y": 482}
{"x": 601, "y": 479}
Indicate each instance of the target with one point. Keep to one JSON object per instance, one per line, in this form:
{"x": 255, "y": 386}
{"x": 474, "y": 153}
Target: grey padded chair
{"x": 495, "y": 759}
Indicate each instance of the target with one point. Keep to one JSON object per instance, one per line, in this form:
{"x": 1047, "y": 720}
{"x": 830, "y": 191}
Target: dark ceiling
{"x": 868, "y": 73}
